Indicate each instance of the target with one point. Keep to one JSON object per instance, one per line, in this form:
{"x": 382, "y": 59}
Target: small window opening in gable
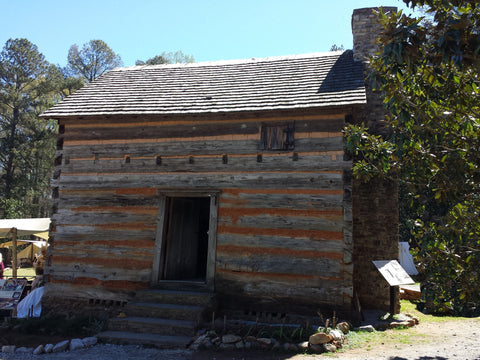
{"x": 278, "y": 137}
{"x": 60, "y": 144}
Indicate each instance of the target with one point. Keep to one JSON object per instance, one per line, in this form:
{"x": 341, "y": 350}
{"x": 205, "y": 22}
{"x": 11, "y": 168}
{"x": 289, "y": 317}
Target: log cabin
{"x": 226, "y": 177}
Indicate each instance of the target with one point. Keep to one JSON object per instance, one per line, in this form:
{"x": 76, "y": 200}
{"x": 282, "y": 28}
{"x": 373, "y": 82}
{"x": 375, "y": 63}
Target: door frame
{"x": 212, "y": 234}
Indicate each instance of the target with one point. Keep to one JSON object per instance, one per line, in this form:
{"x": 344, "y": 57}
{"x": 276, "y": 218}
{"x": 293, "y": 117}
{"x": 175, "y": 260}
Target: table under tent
{"x": 13, "y": 289}
{"x": 25, "y": 257}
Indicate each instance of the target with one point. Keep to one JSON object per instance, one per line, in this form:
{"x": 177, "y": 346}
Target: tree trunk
{"x": 10, "y": 157}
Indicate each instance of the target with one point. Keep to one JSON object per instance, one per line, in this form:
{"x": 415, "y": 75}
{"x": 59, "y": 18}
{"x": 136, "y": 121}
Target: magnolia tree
{"x": 428, "y": 70}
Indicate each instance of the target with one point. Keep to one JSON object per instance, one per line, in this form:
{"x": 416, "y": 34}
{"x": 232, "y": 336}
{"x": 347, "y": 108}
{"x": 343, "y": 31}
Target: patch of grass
{"x": 411, "y": 308}
{"x": 398, "y": 336}
{"x": 374, "y": 340}
{"x": 282, "y": 333}
{"x": 358, "y": 339}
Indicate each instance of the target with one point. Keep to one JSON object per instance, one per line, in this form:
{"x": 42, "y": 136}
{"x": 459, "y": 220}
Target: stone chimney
{"x": 366, "y": 29}
{"x": 375, "y": 203}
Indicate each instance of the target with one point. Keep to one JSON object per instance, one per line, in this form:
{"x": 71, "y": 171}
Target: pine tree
{"x": 27, "y": 143}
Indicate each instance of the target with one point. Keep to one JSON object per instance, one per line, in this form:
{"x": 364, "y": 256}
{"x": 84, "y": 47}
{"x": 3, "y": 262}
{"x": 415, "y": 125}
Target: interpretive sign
{"x": 393, "y": 272}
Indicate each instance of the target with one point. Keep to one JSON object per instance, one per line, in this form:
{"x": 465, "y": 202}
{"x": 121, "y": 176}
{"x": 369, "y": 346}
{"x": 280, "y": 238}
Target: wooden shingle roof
{"x": 300, "y": 81}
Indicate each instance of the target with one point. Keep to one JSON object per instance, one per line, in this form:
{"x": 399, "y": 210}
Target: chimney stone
{"x": 366, "y": 30}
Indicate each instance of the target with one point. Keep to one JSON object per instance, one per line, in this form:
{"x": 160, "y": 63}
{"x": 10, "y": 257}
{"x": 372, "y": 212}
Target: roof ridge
{"x": 234, "y": 61}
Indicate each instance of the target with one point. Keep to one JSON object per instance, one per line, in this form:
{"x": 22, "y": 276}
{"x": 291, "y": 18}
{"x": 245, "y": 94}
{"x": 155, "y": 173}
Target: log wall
{"x": 284, "y": 217}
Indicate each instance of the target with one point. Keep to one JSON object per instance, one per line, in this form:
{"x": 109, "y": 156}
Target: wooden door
{"x": 186, "y": 239}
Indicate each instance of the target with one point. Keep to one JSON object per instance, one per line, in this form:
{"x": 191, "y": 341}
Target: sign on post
{"x": 395, "y": 275}
{"x": 393, "y": 272}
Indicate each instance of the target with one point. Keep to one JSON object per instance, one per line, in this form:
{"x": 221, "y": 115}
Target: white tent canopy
{"x": 23, "y": 227}
{"x": 37, "y": 226}
{"x": 39, "y": 243}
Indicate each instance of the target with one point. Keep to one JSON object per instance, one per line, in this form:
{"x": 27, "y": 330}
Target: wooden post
{"x": 392, "y": 300}
{"x": 14, "y": 253}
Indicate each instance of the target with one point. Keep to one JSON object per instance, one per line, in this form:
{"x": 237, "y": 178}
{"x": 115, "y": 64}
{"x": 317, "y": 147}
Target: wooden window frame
{"x": 277, "y": 137}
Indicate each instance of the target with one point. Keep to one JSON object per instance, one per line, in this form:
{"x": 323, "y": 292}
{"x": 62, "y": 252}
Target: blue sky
{"x": 207, "y": 29}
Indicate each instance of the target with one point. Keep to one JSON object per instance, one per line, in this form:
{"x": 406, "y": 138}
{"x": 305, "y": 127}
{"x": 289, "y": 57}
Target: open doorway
{"x": 185, "y": 241}
{"x": 186, "y": 238}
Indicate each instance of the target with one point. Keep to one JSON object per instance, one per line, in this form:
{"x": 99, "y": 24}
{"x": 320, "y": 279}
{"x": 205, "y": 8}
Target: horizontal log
{"x": 335, "y": 143}
{"x": 96, "y": 285}
{"x": 187, "y": 148}
{"x": 162, "y": 148}
{"x": 269, "y": 162}
{"x": 270, "y": 116}
{"x": 234, "y": 250}
{"x": 87, "y": 242}
{"x": 92, "y": 218}
{"x": 126, "y": 192}
{"x": 236, "y": 214}
{"x": 107, "y": 199}
{"x": 155, "y": 132}
{"x": 122, "y": 226}
{"x": 206, "y": 180}
{"x": 282, "y": 222}
{"x": 313, "y": 191}
{"x": 328, "y": 200}
{"x": 309, "y": 288}
{"x": 102, "y": 209}
{"x": 322, "y": 267}
{"x": 71, "y": 272}
{"x": 62, "y": 290}
{"x": 325, "y": 120}
{"x": 92, "y": 233}
{"x": 313, "y": 234}
{"x": 110, "y": 252}
{"x": 291, "y": 200}
{"x": 109, "y": 260}
{"x": 282, "y": 242}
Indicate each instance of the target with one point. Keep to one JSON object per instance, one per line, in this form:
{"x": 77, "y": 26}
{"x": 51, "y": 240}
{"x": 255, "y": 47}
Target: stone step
{"x": 165, "y": 311}
{"x": 175, "y": 297}
{"x": 153, "y": 325}
{"x": 164, "y": 318}
{"x": 149, "y": 339}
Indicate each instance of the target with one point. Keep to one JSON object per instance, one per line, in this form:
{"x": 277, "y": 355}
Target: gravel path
{"x": 106, "y": 352}
{"x": 456, "y": 339}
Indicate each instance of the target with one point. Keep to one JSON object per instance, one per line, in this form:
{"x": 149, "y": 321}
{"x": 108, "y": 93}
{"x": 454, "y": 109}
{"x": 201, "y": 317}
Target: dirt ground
{"x": 444, "y": 340}
{"x": 452, "y": 339}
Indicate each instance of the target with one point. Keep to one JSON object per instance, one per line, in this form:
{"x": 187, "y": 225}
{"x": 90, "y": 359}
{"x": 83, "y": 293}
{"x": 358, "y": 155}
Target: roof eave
{"x": 339, "y": 104}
